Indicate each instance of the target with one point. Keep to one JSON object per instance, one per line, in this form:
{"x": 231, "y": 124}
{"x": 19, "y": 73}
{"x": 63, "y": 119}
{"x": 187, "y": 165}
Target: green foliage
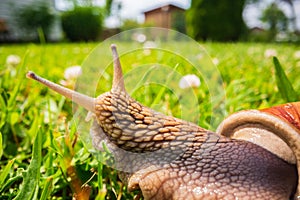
{"x": 81, "y": 2}
{"x": 275, "y": 18}
{"x": 108, "y": 6}
{"x": 36, "y": 15}
{"x": 179, "y": 22}
{"x": 27, "y": 109}
{"x": 1, "y": 148}
{"x": 5, "y": 173}
{"x": 82, "y": 23}
{"x": 30, "y": 184}
{"x": 284, "y": 85}
{"x": 259, "y": 35}
{"x": 219, "y": 20}
{"x": 129, "y": 24}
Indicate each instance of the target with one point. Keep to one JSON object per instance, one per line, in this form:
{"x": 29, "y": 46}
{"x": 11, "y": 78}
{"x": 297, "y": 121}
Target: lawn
{"x": 43, "y": 156}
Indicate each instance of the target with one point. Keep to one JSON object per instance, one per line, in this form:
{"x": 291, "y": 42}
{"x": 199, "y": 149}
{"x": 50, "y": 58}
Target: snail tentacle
{"x": 118, "y": 80}
{"x": 81, "y": 99}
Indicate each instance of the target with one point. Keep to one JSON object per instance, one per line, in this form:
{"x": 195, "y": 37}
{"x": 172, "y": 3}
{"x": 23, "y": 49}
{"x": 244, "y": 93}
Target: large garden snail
{"x": 254, "y": 155}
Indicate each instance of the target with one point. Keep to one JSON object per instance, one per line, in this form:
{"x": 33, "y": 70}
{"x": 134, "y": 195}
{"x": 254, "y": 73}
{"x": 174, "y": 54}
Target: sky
{"x": 252, "y": 12}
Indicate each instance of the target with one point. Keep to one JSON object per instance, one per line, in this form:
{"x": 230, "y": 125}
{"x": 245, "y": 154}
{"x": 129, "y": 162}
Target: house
{"x": 170, "y": 16}
{"x": 10, "y": 30}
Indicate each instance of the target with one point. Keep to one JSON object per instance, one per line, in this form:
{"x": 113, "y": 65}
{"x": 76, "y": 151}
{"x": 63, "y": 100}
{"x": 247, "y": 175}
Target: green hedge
{"x": 82, "y": 23}
{"x": 34, "y": 16}
{"x": 219, "y": 20}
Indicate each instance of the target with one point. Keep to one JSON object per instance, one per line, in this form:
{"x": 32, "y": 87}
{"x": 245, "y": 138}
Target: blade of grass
{"x": 9, "y": 182}
{"x": 284, "y": 85}
{"x": 2, "y": 102}
{"x": 101, "y": 188}
{"x": 32, "y": 176}
{"x": 1, "y": 148}
{"x": 3, "y": 111}
{"x": 34, "y": 128}
{"x": 13, "y": 95}
{"x": 36, "y": 192}
{"x": 47, "y": 189}
{"x": 17, "y": 85}
{"x": 41, "y": 35}
{"x": 5, "y": 171}
{"x": 163, "y": 89}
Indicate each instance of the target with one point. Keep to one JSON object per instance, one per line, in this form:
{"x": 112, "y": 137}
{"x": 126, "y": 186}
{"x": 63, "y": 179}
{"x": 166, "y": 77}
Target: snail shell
{"x": 276, "y": 129}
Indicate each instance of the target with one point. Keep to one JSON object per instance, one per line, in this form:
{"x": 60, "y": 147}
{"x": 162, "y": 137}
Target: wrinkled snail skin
{"x": 169, "y": 158}
{"x": 276, "y": 129}
{"x": 230, "y": 170}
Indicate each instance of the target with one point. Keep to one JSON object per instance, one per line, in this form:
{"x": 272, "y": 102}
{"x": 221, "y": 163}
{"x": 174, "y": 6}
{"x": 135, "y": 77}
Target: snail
{"x": 254, "y": 154}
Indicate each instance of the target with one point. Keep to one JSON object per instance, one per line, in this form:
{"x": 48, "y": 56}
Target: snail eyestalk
{"x": 83, "y": 100}
{"x": 118, "y": 81}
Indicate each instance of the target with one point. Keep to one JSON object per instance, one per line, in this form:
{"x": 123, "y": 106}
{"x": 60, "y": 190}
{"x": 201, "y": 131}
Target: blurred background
{"x": 93, "y": 20}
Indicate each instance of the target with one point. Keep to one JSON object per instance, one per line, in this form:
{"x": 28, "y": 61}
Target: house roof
{"x": 159, "y": 6}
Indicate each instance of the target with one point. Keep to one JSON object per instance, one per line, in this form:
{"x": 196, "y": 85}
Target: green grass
{"x": 40, "y": 146}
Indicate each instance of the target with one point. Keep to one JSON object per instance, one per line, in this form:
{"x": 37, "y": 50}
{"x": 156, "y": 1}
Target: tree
{"x": 77, "y": 3}
{"x": 291, "y": 4}
{"x": 178, "y": 22}
{"x": 293, "y": 11}
{"x": 34, "y": 17}
{"x": 275, "y": 18}
{"x": 216, "y": 19}
{"x": 108, "y": 6}
{"x": 82, "y": 23}
{"x": 113, "y": 9}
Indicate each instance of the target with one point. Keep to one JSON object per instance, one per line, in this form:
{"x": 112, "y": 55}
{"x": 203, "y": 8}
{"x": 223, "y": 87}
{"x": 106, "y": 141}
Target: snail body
{"x": 169, "y": 158}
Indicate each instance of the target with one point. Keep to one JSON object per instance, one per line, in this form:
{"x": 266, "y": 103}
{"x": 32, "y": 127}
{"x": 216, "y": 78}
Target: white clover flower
{"x": 270, "y": 53}
{"x": 147, "y": 52}
{"x": 149, "y": 44}
{"x": 297, "y": 54}
{"x": 215, "y": 61}
{"x": 86, "y": 50}
{"x": 147, "y": 47}
{"x": 139, "y": 37}
{"x": 72, "y": 72}
{"x": 189, "y": 81}
{"x": 199, "y": 56}
{"x": 253, "y": 50}
{"x": 76, "y": 50}
{"x": 13, "y": 60}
